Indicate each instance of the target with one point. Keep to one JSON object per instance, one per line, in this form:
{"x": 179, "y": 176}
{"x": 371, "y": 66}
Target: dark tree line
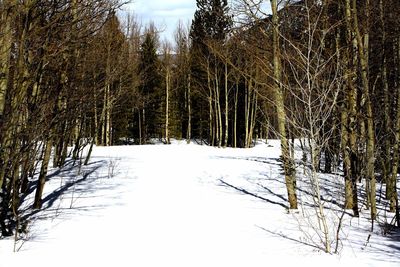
{"x": 47, "y": 79}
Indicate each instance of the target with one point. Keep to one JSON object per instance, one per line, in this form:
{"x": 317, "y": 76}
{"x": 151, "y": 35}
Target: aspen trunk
{"x": 279, "y": 102}
{"x": 235, "y": 116}
{"x": 77, "y": 146}
{"x": 43, "y": 173}
{"x": 144, "y": 126}
{"x": 255, "y": 107}
{"x": 218, "y": 109}
{"x": 370, "y": 124}
{"x": 216, "y": 115}
{"x": 247, "y": 112}
{"x": 89, "y": 154}
{"x": 210, "y": 120}
{"x": 96, "y": 124}
{"x": 106, "y": 101}
{"x": 167, "y": 107}
{"x": 348, "y": 202}
{"x": 107, "y": 124}
{"x": 64, "y": 152}
{"x": 226, "y": 107}
{"x": 350, "y": 147}
{"x": 25, "y": 169}
{"x": 189, "y": 107}
{"x": 5, "y": 50}
{"x": 386, "y": 161}
{"x": 103, "y": 118}
{"x": 58, "y": 159}
{"x": 140, "y": 126}
{"x": 266, "y": 130}
{"x": 391, "y": 183}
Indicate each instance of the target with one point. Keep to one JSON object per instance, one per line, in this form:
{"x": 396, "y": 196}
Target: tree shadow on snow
{"x": 74, "y": 184}
{"x": 274, "y": 233}
{"x": 246, "y": 192}
{"x": 262, "y": 184}
{"x": 270, "y": 161}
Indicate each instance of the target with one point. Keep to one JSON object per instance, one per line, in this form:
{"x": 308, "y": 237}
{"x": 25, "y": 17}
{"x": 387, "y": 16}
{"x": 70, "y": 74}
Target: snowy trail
{"x": 165, "y": 206}
{"x": 186, "y": 220}
{"x": 163, "y": 213}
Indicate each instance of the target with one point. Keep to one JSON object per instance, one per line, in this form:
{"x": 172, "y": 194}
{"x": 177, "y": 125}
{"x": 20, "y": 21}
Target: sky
{"x": 165, "y": 13}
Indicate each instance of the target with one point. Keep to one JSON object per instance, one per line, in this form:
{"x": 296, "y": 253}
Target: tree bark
{"x": 140, "y": 126}
{"x": 391, "y": 183}
{"x": 226, "y": 107}
{"x": 362, "y": 52}
{"x": 43, "y": 173}
{"x": 279, "y": 102}
{"x": 96, "y": 124}
{"x": 167, "y": 84}
{"x": 247, "y": 111}
{"x": 235, "y": 116}
{"x": 351, "y": 201}
{"x": 210, "y": 97}
{"x": 107, "y": 123}
{"x": 5, "y": 50}
{"x": 189, "y": 110}
{"x": 218, "y": 112}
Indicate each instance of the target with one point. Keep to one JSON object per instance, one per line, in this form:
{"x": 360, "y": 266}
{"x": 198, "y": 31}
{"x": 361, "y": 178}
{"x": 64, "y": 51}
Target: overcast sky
{"x": 164, "y": 13}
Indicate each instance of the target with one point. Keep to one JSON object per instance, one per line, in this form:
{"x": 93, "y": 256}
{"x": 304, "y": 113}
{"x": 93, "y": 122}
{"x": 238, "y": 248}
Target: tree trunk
{"x": 167, "y": 80}
{"x": 253, "y": 108}
{"x": 235, "y": 116}
{"x": 279, "y": 102}
{"x": 370, "y": 123}
{"x": 348, "y": 201}
{"x": 218, "y": 109}
{"x": 103, "y": 117}
{"x": 210, "y": 120}
{"x": 96, "y": 124}
{"x": 5, "y": 50}
{"x": 189, "y": 109}
{"x": 144, "y": 126}
{"x": 58, "y": 159}
{"x": 226, "y": 107}
{"x": 247, "y": 112}
{"x": 89, "y": 154}
{"x": 43, "y": 173}
{"x": 77, "y": 147}
{"x": 107, "y": 123}
{"x": 140, "y": 126}
{"x": 387, "y": 154}
{"x": 391, "y": 183}
{"x": 64, "y": 152}
{"x": 350, "y": 153}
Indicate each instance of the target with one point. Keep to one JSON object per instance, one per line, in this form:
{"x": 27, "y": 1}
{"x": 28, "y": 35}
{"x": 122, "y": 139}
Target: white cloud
{"x": 174, "y": 14}
{"x": 164, "y": 13}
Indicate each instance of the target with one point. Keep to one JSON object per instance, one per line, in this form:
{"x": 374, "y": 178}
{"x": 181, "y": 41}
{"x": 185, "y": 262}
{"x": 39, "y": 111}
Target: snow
{"x": 184, "y": 205}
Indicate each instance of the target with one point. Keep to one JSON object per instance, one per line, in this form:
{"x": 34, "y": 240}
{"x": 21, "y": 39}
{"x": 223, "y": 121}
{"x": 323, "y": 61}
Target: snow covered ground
{"x": 189, "y": 205}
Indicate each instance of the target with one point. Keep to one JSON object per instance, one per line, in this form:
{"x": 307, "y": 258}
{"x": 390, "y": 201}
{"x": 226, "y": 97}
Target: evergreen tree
{"x": 211, "y": 21}
{"x": 149, "y": 71}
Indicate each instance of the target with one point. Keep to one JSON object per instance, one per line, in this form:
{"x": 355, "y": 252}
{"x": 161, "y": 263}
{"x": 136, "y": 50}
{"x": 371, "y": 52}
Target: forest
{"x": 76, "y": 74}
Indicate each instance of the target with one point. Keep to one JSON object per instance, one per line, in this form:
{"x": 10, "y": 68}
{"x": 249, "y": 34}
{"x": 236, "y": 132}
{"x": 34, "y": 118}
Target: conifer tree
{"x": 149, "y": 72}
